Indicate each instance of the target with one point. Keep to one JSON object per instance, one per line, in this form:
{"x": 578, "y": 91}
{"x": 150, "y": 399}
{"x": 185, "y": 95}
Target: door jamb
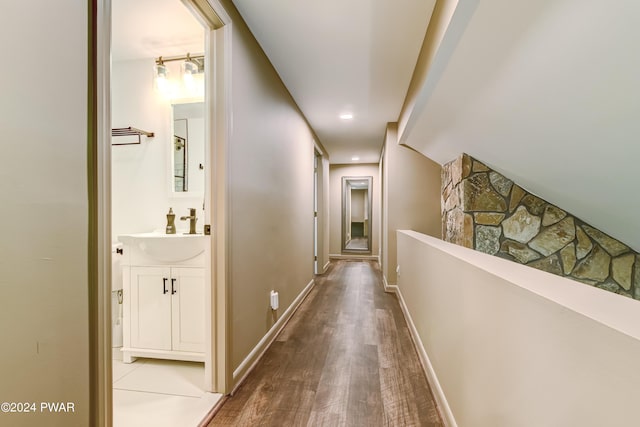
{"x": 99, "y": 195}
{"x": 218, "y": 57}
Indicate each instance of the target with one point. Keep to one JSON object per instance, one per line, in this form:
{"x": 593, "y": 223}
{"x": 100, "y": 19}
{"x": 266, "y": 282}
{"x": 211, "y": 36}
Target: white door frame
{"x": 218, "y": 129}
{"x": 218, "y": 46}
{"x": 99, "y": 177}
{"x": 317, "y": 163}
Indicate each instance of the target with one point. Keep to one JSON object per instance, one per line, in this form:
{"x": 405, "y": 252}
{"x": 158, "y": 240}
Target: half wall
{"x": 505, "y": 345}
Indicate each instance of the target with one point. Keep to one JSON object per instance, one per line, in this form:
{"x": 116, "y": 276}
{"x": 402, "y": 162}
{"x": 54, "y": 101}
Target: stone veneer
{"x": 483, "y": 210}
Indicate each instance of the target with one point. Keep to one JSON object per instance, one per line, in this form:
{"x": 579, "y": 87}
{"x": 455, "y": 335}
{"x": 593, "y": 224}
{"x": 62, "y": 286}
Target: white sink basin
{"x": 166, "y": 247}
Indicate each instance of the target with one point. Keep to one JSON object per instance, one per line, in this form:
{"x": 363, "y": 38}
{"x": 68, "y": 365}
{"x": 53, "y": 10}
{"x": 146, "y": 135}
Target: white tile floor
{"x": 159, "y": 393}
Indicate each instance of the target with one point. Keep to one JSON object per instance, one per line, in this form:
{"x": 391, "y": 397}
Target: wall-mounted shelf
{"x": 128, "y": 131}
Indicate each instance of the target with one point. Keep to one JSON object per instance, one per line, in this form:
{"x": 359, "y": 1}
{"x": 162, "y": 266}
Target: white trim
{"x": 220, "y": 221}
{"x": 354, "y": 256}
{"x": 388, "y": 287}
{"x": 210, "y": 327}
{"x": 102, "y": 358}
{"x": 219, "y": 109}
{"x": 247, "y": 365}
{"x": 219, "y": 9}
{"x": 188, "y": 356}
{"x": 324, "y": 268}
{"x": 438, "y": 394}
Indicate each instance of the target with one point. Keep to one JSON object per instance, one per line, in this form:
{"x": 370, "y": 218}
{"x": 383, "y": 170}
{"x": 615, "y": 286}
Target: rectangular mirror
{"x": 187, "y": 147}
{"x": 356, "y": 213}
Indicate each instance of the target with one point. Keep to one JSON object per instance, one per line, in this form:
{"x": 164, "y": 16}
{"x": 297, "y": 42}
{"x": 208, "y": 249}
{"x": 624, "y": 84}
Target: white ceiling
{"x": 336, "y": 56}
{"x": 547, "y": 92}
{"x": 153, "y": 28}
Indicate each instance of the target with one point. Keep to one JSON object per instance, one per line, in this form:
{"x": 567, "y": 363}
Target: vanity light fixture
{"x": 191, "y": 64}
{"x": 346, "y": 116}
{"x": 355, "y": 158}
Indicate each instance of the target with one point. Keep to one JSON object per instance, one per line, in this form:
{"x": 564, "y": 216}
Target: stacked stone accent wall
{"x": 483, "y": 210}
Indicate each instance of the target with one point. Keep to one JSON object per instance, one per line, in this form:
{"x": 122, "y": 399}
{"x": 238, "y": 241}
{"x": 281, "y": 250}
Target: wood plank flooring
{"x": 344, "y": 359}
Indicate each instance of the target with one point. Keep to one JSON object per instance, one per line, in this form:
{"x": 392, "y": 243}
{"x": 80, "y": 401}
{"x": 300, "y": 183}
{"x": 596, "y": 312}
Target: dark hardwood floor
{"x": 344, "y": 359}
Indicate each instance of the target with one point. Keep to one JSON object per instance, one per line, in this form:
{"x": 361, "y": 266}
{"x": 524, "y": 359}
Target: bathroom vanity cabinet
{"x": 163, "y": 304}
{"x": 166, "y": 312}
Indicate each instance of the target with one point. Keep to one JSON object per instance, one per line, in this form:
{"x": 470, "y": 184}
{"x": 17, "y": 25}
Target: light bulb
{"x": 161, "y": 70}
{"x": 161, "y": 76}
{"x": 189, "y": 67}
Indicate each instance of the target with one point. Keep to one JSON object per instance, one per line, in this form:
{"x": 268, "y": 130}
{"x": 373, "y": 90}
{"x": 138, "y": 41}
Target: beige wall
{"x": 271, "y": 155}
{"x": 514, "y": 346}
{"x": 44, "y": 214}
{"x": 336, "y": 172}
{"x": 412, "y": 197}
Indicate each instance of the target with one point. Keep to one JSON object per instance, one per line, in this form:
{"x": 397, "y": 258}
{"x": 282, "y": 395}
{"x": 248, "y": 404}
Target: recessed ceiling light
{"x": 346, "y": 116}
{"x": 355, "y": 158}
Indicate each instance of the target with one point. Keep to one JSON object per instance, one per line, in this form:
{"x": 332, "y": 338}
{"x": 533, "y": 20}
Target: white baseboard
{"x": 438, "y": 394}
{"x": 388, "y": 287}
{"x": 353, "y": 256}
{"x": 247, "y": 365}
{"x": 324, "y": 269}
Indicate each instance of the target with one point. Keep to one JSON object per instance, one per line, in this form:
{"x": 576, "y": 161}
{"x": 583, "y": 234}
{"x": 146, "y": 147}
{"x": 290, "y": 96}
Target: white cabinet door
{"x": 151, "y": 307}
{"x": 188, "y": 309}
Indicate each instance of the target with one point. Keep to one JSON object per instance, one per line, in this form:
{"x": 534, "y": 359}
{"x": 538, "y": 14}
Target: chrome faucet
{"x": 192, "y": 220}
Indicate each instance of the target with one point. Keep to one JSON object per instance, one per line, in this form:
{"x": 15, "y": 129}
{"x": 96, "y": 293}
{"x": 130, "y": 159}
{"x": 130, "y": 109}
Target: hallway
{"x": 344, "y": 359}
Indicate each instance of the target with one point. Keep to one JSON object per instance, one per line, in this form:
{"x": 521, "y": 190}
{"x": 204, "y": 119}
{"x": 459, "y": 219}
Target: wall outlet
{"x": 274, "y": 300}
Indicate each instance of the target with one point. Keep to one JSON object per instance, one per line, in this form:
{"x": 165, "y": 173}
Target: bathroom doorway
{"x": 146, "y": 113}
